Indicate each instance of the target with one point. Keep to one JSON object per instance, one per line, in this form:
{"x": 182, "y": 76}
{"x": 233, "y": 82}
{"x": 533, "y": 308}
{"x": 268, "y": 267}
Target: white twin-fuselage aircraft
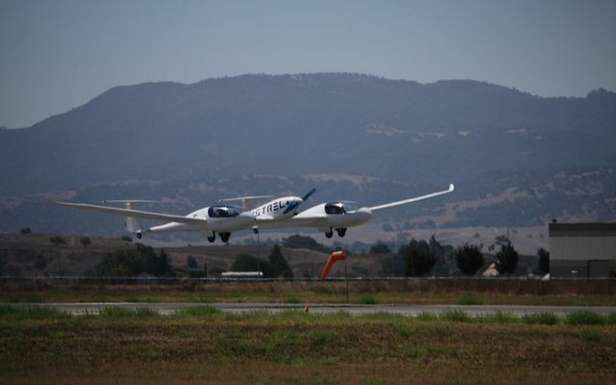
{"x": 223, "y": 219}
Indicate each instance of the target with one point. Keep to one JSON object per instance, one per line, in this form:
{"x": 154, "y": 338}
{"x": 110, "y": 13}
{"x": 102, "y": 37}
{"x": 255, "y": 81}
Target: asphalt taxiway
{"x": 406, "y": 310}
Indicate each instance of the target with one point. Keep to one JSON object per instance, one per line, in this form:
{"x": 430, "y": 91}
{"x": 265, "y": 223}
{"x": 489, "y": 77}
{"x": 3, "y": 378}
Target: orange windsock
{"x": 333, "y": 258}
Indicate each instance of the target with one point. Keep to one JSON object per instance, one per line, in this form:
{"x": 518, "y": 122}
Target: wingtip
{"x": 451, "y": 187}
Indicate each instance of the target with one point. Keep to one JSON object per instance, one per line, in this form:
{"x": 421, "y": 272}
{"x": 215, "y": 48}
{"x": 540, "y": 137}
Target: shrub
{"x": 540, "y": 319}
{"x": 455, "y": 315}
{"x": 198, "y": 311}
{"x": 85, "y": 241}
{"x": 115, "y": 312}
{"x": 469, "y": 299}
{"x": 293, "y": 299}
{"x": 469, "y": 259}
{"x": 368, "y": 300}
{"x": 584, "y": 317}
{"x": 57, "y": 240}
{"x": 499, "y": 317}
{"x": 25, "y": 230}
{"x": 380, "y": 248}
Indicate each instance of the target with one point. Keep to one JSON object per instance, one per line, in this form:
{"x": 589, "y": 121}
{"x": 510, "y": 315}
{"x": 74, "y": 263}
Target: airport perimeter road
{"x": 407, "y": 310}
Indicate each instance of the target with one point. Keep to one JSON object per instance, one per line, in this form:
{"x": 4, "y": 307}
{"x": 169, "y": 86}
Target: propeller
{"x": 293, "y": 205}
{"x": 308, "y": 194}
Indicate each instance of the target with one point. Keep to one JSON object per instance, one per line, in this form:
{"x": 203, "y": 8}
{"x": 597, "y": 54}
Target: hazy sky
{"x": 56, "y": 55}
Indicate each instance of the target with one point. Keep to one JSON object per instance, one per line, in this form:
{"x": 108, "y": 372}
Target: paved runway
{"x": 407, "y": 310}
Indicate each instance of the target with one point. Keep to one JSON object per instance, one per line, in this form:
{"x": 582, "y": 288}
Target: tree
{"x": 544, "y": 260}
{"x": 25, "y": 230}
{"x": 246, "y": 262}
{"x": 130, "y": 262}
{"x": 436, "y": 248}
{"x": 191, "y": 262}
{"x": 164, "y": 268}
{"x": 279, "y": 264}
{"x": 419, "y": 258}
{"x": 507, "y": 259}
{"x": 380, "y": 248}
{"x": 469, "y": 259}
{"x": 85, "y": 241}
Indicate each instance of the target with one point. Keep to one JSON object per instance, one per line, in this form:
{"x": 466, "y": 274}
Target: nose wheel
{"x": 211, "y": 238}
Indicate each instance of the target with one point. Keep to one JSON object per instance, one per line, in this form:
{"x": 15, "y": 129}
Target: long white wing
{"x": 136, "y": 213}
{"x": 411, "y": 200}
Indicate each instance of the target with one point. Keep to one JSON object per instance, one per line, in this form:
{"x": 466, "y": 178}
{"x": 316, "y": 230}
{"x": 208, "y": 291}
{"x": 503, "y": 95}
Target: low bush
{"x": 540, "y": 319}
{"x": 584, "y": 317}
{"x": 368, "y": 300}
{"x": 455, "y": 316}
{"x": 469, "y": 299}
{"x": 198, "y": 311}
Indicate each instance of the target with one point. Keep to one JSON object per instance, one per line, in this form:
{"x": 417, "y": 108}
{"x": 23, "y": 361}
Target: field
{"x": 202, "y": 345}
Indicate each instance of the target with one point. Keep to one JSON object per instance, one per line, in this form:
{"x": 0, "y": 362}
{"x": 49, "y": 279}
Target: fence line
{"x": 153, "y": 280}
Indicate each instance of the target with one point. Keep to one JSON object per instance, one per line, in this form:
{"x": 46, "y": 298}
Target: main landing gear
{"x": 341, "y": 232}
{"x": 224, "y": 237}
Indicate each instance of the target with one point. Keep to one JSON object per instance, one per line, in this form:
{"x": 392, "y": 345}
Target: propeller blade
{"x": 309, "y": 194}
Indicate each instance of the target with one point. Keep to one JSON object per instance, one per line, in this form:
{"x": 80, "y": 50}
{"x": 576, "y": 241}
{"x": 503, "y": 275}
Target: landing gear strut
{"x": 341, "y": 231}
{"x": 224, "y": 237}
{"x": 211, "y": 238}
{"x": 329, "y": 233}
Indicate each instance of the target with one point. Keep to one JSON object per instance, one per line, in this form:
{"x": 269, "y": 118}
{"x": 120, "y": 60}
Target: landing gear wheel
{"x": 211, "y": 238}
{"x": 138, "y": 235}
{"x": 341, "y": 231}
{"x": 224, "y": 237}
{"x": 329, "y": 233}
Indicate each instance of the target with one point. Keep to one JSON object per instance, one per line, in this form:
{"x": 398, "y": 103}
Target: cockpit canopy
{"x": 223, "y": 211}
{"x": 343, "y": 207}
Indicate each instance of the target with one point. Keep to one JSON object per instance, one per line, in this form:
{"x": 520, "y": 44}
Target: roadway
{"x": 406, "y": 310}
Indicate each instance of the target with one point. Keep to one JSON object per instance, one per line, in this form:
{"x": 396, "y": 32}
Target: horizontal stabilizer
{"x": 245, "y": 201}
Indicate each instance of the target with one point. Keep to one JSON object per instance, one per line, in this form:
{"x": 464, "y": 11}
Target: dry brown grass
{"x": 301, "y": 349}
{"x": 397, "y": 292}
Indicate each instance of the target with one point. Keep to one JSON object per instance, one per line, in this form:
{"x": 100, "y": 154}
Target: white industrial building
{"x": 585, "y": 250}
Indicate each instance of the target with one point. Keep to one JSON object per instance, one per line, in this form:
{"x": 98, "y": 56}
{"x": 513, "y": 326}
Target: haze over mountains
{"x": 365, "y": 137}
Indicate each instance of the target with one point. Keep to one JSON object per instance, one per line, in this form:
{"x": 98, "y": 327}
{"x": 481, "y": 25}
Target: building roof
{"x": 591, "y": 229}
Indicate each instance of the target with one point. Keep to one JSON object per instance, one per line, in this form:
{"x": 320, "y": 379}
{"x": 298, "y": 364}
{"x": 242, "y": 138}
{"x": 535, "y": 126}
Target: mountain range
{"x": 364, "y": 136}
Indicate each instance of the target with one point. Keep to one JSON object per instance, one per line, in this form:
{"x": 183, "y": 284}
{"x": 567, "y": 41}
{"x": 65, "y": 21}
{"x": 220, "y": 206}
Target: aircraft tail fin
{"x": 131, "y": 224}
